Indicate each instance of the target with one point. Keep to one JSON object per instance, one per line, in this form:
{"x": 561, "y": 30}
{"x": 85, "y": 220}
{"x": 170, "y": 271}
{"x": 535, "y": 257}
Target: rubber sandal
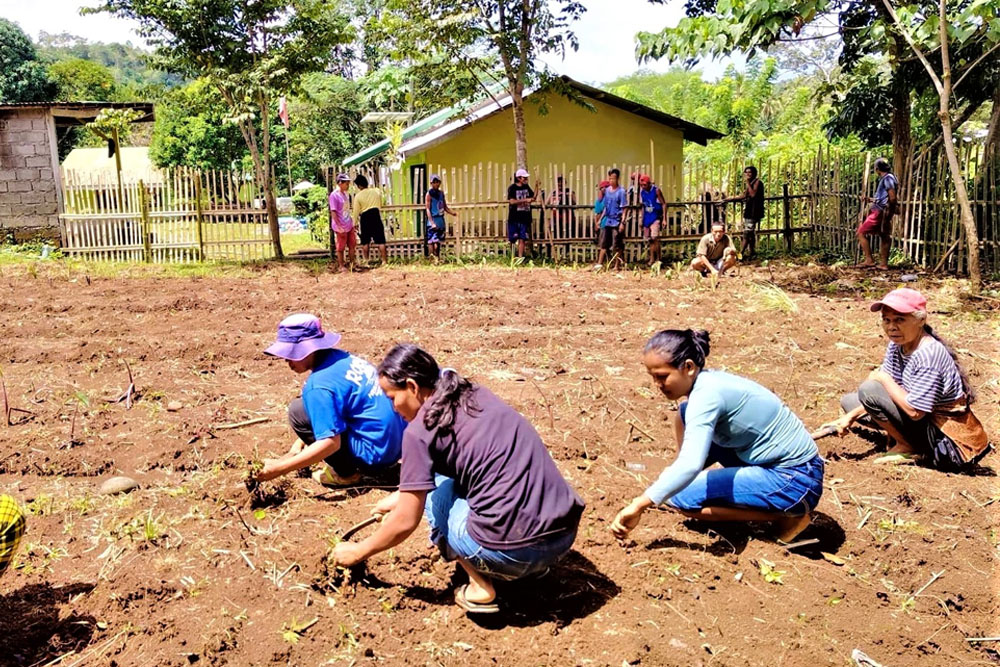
{"x": 895, "y": 459}
{"x": 327, "y": 477}
{"x": 474, "y": 607}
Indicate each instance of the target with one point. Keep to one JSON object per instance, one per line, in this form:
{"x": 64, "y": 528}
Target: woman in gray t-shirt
{"x": 479, "y": 472}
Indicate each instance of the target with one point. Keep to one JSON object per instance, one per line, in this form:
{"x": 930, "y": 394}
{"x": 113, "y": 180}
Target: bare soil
{"x": 185, "y": 571}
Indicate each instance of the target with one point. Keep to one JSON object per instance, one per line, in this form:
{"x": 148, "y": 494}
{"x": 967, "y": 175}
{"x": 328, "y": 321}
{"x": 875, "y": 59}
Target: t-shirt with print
{"x": 711, "y": 249}
{"x": 516, "y": 494}
{"x": 615, "y": 201}
{"x": 342, "y": 397}
{"x": 340, "y": 212}
{"x": 520, "y": 212}
{"x": 929, "y": 375}
{"x": 886, "y": 183}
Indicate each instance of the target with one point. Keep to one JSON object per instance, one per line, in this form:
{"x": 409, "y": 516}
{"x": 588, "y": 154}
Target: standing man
{"x": 341, "y": 225}
{"x": 753, "y": 210}
{"x": 436, "y": 206}
{"x": 520, "y": 196}
{"x": 563, "y": 217}
{"x": 610, "y": 223}
{"x": 653, "y": 205}
{"x": 879, "y": 220}
{"x": 366, "y": 207}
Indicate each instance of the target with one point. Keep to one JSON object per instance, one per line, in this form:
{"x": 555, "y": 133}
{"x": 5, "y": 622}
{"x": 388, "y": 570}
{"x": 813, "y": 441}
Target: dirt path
{"x": 183, "y": 571}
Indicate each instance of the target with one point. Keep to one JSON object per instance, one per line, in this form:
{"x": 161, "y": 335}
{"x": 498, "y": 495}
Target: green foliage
{"x": 130, "y": 66}
{"x": 312, "y": 204}
{"x": 82, "y": 80}
{"x": 22, "y": 76}
{"x": 190, "y": 130}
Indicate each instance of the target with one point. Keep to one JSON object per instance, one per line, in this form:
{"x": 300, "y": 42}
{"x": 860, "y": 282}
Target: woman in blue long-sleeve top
{"x": 771, "y": 469}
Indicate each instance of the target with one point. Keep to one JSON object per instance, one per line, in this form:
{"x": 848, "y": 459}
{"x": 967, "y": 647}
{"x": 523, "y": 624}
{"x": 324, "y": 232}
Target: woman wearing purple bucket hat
{"x": 920, "y": 395}
{"x": 343, "y": 417}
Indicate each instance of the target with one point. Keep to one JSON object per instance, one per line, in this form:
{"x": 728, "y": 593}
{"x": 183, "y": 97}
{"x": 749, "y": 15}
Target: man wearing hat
{"x": 341, "y": 225}
{"x": 343, "y": 418}
{"x": 520, "y": 196}
{"x": 436, "y": 206}
{"x": 653, "y": 204}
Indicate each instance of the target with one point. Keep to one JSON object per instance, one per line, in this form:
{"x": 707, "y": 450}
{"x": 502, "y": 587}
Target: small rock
{"x": 119, "y": 484}
{"x": 174, "y": 406}
{"x": 678, "y": 644}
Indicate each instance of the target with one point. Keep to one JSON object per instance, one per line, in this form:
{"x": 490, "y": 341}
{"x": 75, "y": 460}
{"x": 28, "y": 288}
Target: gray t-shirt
{"x": 929, "y": 376}
{"x": 516, "y": 494}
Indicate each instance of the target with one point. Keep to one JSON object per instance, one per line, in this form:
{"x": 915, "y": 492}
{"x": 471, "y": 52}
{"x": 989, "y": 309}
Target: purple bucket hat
{"x": 299, "y": 336}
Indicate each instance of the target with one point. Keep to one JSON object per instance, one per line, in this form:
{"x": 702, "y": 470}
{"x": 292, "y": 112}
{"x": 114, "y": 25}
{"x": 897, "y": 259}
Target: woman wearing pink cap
{"x": 920, "y": 396}
{"x": 343, "y": 418}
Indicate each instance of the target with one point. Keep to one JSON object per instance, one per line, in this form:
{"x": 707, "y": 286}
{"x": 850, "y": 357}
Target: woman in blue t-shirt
{"x": 479, "y": 472}
{"x": 920, "y": 395}
{"x": 771, "y": 469}
{"x": 343, "y": 418}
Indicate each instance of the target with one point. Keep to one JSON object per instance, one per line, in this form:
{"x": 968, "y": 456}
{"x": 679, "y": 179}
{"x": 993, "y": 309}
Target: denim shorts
{"x": 435, "y": 230}
{"x": 793, "y": 490}
{"x": 448, "y": 516}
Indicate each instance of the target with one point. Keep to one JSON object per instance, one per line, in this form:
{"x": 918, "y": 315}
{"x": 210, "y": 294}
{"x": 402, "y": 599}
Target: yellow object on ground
{"x": 11, "y": 530}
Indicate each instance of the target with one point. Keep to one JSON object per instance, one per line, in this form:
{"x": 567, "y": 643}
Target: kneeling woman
{"x": 771, "y": 469}
{"x": 920, "y": 396}
{"x": 479, "y": 472}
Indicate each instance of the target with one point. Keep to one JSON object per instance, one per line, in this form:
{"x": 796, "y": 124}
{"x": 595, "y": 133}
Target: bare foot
{"x": 867, "y": 265}
{"x": 882, "y": 267}
{"x": 790, "y": 527}
{"x": 901, "y": 448}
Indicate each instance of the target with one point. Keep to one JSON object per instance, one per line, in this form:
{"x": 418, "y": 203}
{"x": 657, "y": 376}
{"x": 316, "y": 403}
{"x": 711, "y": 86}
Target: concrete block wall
{"x": 29, "y": 189}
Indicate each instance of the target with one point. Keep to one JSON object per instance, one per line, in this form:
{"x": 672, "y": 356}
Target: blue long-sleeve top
{"x": 733, "y": 412}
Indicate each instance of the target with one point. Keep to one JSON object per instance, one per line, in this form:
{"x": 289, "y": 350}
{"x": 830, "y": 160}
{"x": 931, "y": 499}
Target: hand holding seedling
{"x": 272, "y": 468}
{"x": 347, "y": 554}
{"x": 629, "y": 517}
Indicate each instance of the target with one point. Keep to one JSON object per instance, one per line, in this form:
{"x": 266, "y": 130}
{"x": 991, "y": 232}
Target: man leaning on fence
{"x": 879, "y": 220}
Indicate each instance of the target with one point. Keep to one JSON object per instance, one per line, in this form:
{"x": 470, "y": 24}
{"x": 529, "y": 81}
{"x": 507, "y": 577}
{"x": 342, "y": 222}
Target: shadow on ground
{"x": 30, "y": 626}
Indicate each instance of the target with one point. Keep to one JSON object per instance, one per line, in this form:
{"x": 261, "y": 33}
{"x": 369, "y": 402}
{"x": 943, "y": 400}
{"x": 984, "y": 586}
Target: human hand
{"x": 878, "y": 375}
{"x": 626, "y": 520}
{"x": 296, "y": 447}
{"x": 346, "y": 554}
{"x": 270, "y": 470}
{"x": 839, "y": 426}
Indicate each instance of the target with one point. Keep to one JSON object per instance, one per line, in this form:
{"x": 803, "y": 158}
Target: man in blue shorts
{"x": 436, "y": 206}
{"x": 520, "y": 196}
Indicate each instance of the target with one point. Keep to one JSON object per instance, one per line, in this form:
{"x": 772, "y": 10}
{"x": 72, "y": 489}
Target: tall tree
{"x": 472, "y": 36}
{"x": 943, "y": 31}
{"x": 22, "y": 76}
{"x": 252, "y": 52}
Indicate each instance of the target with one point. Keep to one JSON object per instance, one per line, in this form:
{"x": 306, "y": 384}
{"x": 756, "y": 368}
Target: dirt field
{"x": 184, "y": 571}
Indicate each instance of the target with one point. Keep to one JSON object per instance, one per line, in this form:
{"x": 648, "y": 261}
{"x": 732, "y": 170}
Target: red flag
{"x": 283, "y": 111}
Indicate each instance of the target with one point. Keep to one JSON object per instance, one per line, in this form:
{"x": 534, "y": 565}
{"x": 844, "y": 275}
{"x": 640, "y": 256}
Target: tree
{"x": 191, "y": 130}
{"x": 252, "y": 52}
{"x": 977, "y": 21}
{"x": 79, "y": 80}
{"x": 471, "y": 36}
{"x": 22, "y": 76}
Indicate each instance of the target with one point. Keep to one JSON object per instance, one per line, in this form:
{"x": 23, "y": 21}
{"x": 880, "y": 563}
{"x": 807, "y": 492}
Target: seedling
{"x": 81, "y": 399}
{"x": 293, "y": 631}
{"x": 8, "y": 412}
{"x": 772, "y": 297}
{"x": 770, "y": 574}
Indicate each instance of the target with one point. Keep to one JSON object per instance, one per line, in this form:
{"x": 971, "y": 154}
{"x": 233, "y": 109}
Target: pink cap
{"x": 902, "y": 300}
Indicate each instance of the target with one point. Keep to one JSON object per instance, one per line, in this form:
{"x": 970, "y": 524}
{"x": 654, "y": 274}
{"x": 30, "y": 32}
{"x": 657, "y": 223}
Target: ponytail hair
{"x": 970, "y": 393}
{"x": 451, "y": 391}
{"x": 675, "y": 346}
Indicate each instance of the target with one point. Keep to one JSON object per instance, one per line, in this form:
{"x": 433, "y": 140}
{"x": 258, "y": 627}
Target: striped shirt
{"x": 929, "y": 375}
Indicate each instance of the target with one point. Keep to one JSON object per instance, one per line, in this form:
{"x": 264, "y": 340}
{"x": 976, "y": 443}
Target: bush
{"x": 312, "y": 204}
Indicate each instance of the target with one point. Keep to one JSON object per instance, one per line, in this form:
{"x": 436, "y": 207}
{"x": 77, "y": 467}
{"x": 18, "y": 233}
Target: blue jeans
{"x": 448, "y": 516}
{"x": 793, "y": 490}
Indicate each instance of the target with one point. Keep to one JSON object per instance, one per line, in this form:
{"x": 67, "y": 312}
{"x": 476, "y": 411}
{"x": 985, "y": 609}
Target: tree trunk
{"x": 267, "y": 182}
{"x": 961, "y": 194}
{"x": 900, "y": 130}
{"x": 520, "y": 138}
{"x": 993, "y": 129}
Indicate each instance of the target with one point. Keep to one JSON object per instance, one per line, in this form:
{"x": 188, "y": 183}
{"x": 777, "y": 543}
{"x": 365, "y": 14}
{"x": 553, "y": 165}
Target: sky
{"x": 606, "y": 32}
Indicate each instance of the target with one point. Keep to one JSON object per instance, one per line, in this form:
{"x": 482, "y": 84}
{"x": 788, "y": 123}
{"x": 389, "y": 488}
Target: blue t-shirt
{"x": 614, "y": 202}
{"x": 736, "y": 413}
{"x": 437, "y": 202}
{"x": 886, "y": 183}
{"x": 929, "y": 376}
{"x": 343, "y": 397}
{"x": 652, "y": 209}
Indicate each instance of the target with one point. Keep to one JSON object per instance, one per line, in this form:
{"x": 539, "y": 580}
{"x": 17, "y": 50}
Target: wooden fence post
{"x": 147, "y": 250}
{"x": 786, "y": 210}
{"x": 200, "y": 216}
